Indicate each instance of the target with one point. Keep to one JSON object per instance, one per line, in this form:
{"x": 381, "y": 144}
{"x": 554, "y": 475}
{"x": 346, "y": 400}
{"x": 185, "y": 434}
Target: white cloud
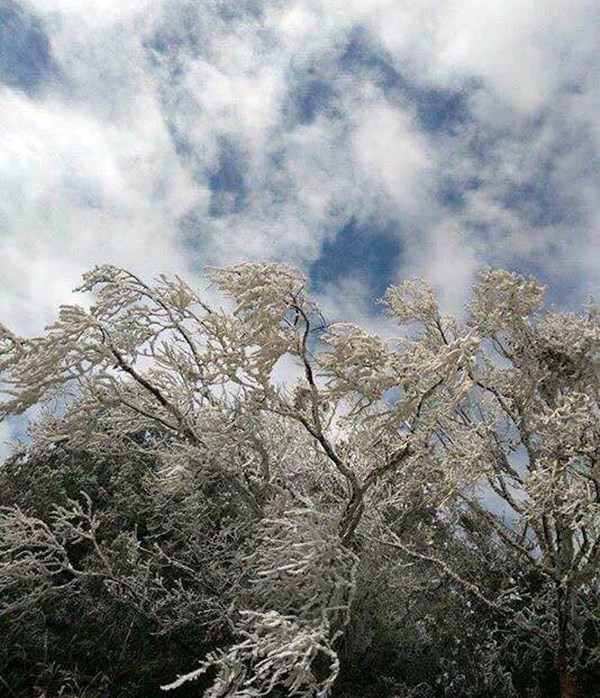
{"x": 5, "y": 441}
{"x": 394, "y": 155}
{"x": 520, "y": 49}
{"x": 347, "y": 300}
{"x": 103, "y": 14}
{"x": 78, "y": 191}
{"x": 450, "y": 263}
{"x": 90, "y": 172}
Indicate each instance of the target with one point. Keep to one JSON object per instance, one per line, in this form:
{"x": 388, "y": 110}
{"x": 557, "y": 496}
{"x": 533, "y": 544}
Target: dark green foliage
{"x": 411, "y": 635}
{"x": 88, "y": 640}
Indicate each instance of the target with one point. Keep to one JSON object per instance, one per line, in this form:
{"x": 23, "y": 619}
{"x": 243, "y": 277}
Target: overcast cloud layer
{"x": 363, "y": 140}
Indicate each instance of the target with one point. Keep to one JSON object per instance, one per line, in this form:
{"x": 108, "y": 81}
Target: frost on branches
{"x": 263, "y": 505}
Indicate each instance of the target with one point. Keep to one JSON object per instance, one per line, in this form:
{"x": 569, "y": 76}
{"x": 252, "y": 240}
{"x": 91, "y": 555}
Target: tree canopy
{"x": 416, "y": 516}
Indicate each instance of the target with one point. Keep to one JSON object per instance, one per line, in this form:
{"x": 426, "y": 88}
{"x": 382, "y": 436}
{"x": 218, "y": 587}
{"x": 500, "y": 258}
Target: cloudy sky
{"x": 363, "y": 140}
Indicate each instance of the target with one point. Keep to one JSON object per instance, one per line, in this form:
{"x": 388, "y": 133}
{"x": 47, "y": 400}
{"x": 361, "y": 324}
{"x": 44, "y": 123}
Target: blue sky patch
{"x": 228, "y": 181}
{"x": 230, "y": 10}
{"x": 194, "y": 240}
{"x": 436, "y": 109}
{"x": 310, "y": 97}
{"x": 26, "y": 61}
{"x": 366, "y": 251}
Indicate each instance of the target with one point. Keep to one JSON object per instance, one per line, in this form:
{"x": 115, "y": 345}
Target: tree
{"x": 466, "y": 448}
{"x": 515, "y": 418}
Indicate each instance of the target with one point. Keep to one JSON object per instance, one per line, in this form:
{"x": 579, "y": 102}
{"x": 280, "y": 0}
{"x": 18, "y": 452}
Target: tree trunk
{"x": 567, "y": 677}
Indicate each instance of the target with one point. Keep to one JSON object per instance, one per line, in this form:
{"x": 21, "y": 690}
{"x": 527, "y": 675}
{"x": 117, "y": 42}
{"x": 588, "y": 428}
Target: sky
{"x": 365, "y": 141}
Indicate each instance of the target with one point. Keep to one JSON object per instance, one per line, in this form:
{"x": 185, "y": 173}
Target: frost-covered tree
{"x": 465, "y": 448}
{"x": 506, "y": 444}
{"x": 190, "y": 387}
